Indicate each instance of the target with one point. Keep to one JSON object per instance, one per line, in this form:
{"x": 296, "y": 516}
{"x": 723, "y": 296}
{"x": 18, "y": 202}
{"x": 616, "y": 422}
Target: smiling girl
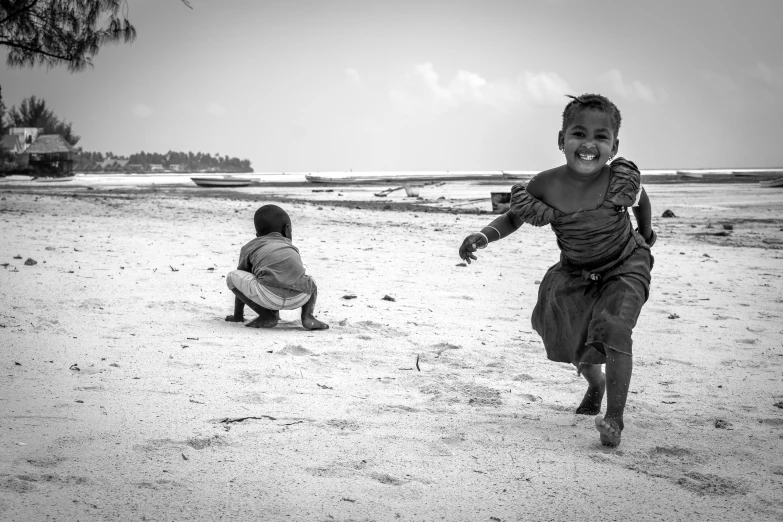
{"x": 589, "y": 301}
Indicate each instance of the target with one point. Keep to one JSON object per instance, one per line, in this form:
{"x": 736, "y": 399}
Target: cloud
{"x": 354, "y": 77}
{"x": 546, "y": 88}
{"x": 420, "y": 90}
{"x": 763, "y": 72}
{"x": 634, "y": 90}
{"x": 215, "y": 109}
{"x": 142, "y": 111}
{"x": 720, "y": 83}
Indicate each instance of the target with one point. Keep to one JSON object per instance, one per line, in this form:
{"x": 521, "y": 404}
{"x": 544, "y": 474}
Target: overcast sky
{"x": 319, "y": 85}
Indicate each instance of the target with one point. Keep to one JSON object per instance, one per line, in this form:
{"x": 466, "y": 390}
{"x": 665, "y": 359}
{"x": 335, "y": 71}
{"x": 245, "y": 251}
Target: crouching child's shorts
{"x": 262, "y": 295}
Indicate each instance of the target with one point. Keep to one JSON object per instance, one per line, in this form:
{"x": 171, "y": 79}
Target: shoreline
{"x": 456, "y": 197}
{"x": 341, "y": 178}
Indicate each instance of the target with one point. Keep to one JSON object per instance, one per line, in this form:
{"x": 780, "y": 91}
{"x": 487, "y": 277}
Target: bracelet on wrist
{"x": 500, "y": 236}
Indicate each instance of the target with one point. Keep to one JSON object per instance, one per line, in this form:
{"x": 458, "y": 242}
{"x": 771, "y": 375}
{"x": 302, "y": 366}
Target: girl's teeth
{"x": 587, "y": 157}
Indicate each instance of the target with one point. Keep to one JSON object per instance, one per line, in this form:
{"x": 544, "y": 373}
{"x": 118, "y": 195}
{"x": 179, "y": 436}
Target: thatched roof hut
{"x": 51, "y": 152}
{"x": 50, "y": 144}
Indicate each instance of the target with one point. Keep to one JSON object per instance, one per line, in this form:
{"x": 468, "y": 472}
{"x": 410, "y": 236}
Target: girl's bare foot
{"x": 311, "y": 323}
{"x": 596, "y": 386}
{"x": 591, "y": 403}
{"x": 610, "y": 430}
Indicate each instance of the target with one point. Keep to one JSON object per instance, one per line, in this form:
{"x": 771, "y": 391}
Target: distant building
{"x": 175, "y": 167}
{"x": 112, "y": 163}
{"x": 154, "y": 167}
{"x": 27, "y": 134}
{"x": 49, "y": 152}
{"x": 13, "y": 143}
{"x": 134, "y": 167}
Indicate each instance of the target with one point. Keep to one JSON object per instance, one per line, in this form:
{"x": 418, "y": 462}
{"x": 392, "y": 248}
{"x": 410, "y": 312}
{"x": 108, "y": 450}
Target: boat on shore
{"x": 16, "y": 177}
{"x": 689, "y": 175}
{"x": 368, "y": 178}
{"x": 221, "y": 181}
{"x": 519, "y": 175}
{"x": 771, "y": 183}
{"x": 54, "y": 180}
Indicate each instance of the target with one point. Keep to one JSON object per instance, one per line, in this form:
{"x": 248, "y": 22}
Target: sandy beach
{"x": 126, "y": 396}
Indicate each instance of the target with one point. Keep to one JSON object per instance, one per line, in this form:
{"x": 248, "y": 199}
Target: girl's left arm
{"x": 643, "y": 215}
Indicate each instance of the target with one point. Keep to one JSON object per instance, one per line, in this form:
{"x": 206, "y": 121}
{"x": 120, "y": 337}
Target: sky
{"x": 370, "y": 85}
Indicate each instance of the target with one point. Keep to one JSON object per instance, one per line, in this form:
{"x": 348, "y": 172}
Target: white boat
{"x": 16, "y": 177}
{"x": 54, "y": 180}
{"x": 771, "y": 183}
{"x": 689, "y": 175}
{"x": 222, "y": 181}
{"x": 362, "y": 178}
{"x": 526, "y": 175}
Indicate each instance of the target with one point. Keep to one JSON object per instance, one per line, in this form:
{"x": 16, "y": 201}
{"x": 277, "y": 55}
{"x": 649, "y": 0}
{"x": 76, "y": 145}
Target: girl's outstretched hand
{"x": 472, "y": 243}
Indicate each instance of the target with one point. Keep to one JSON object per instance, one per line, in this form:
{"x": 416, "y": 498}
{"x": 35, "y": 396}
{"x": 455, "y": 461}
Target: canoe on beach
{"x": 689, "y": 175}
{"x": 355, "y": 178}
{"x": 54, "y": 180}
{"x": 222, "y": 181}
{"x": 16, "y": 177}
{"x": 525, "y": 175}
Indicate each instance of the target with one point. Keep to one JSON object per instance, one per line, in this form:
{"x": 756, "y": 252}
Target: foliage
{"x": 62, "y": 32}
{"x": 188, "y": 161}
{"x": 53, "y": 32}
{"x": 6, "y": 156}
{"x": 32, "y": 112}
{"x": 3, "y": 126}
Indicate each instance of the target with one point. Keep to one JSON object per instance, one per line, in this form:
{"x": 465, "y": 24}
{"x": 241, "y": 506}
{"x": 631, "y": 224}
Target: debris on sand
{"x": 722, "y": 424}
{"x": 30, "y": 262}
{"x": 232, "y": 420}
{"x": 349, "y": 296}
{"x": 295, "y": 349}
{"x": 387, "y": 297}
{"x": 668, "y": 214}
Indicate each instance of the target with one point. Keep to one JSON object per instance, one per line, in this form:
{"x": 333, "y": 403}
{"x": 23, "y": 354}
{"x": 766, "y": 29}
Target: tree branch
{"x": 23, "y": 9}
{"x": 36, "y": 50}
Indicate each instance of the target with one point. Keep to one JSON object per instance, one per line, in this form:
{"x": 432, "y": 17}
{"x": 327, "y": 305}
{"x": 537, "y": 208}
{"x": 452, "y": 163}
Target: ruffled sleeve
{"x": 626, "y": 183}
{"x": 528, "y": 209}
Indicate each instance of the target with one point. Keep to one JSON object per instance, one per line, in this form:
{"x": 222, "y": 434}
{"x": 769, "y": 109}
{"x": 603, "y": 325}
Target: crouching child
{"x": 270, "y": 276}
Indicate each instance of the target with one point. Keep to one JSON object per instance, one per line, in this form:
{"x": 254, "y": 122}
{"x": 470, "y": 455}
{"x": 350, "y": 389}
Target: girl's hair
{"x": 594, "y": 102}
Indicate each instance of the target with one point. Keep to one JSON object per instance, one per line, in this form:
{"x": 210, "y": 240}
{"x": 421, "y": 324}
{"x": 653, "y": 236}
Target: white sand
{"x": 345, "y": 427}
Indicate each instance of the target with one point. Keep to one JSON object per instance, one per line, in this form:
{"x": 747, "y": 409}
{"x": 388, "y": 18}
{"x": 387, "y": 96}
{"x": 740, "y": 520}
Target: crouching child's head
{"x": 271, "y": 218}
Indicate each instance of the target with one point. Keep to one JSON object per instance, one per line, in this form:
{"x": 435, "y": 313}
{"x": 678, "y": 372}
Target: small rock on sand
{"x": 295, "y": 349}
{"x": 30, "y": 262}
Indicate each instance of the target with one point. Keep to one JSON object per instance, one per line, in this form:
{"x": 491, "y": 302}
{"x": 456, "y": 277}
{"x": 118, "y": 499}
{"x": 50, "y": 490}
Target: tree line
{"x": 33, "y": 112}
{"x": 141, "y": 161}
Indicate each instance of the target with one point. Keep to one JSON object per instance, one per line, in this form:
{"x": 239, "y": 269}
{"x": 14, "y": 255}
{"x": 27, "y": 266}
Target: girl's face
{"x": 588, "y": 142}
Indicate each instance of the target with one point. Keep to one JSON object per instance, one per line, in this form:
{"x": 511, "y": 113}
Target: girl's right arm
{"x": 500, "y": 227}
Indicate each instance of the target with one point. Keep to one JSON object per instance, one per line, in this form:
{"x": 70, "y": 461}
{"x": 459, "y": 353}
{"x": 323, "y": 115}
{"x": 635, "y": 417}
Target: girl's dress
{"x": 589, "y": 302}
